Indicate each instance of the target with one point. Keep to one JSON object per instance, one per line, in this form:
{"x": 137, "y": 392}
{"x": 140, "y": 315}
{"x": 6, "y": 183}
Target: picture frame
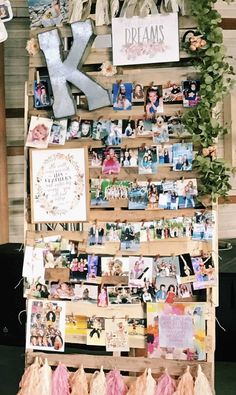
{"x": 58, "y": 183}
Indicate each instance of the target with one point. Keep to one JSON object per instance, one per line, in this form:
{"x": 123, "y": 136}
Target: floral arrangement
{"x": 32, "y": 46}
{"x": 202, "y": 121}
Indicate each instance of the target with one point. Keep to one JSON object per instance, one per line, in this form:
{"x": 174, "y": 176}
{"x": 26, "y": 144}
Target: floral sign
{"x": 58, "y": 185}
{"x": 152, "y": 39}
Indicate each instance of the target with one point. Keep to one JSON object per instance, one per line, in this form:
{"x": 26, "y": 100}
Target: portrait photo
{"x": 39, "y": 132}
{"x": 122, "y": 96}
{"x": 153, "y": 101}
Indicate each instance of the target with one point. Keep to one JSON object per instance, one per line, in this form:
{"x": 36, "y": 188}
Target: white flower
{"x": 32, "y": 46}
{"x": 108, "y": 70}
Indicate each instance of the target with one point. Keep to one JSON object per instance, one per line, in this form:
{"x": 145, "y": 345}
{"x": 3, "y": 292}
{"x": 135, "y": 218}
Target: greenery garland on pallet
{"x": 215, "y": 72}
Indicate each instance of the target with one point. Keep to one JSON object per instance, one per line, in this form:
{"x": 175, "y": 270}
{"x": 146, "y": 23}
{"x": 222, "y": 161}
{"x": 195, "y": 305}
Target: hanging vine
{"x": 208, "y": 54}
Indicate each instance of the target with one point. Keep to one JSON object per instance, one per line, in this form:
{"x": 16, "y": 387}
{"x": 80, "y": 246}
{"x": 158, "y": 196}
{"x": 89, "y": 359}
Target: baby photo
{"x": 164, "y": 154}
{"x": 172, "y": 93}
{"x": 153, "y": 101}
{"x": 129, "y": 157}
{"x": 187, "y": 192}
{"x": 111, "y": 161}
{"x": 123, "y": 295}
{"x": 128, "y": 128}
{"x": 182, "y": 156}
{"x": 58, "y": 132}
{"x": 95, "y": 157}
{"x": 62, "y": 290}
{"x": 140, "y": 270}
{"x": 130, "y": 236}
{"x": 85, "y": 128}
{"x": 191, "y": 95}
{"x": 39, "y": 132}
{"x": 94, "y": 266}
{"x": 86, "y": 293}
{"x": 144, "y": 128}
{"x": 41, "y": 94}
{"x": 100, "y": 129}
{"x": 138, "y": 93}
{"x": 147, "y": 160}
{"x": 122, "y": 96}
{"x": 115, "y": 266}
{"x": 96, "y": 331}
{"x": 138, "y": 196}
{"x": 114, "y": 136}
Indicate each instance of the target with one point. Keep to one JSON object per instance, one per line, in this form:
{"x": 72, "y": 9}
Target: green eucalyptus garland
{"x": 216, "y": 80}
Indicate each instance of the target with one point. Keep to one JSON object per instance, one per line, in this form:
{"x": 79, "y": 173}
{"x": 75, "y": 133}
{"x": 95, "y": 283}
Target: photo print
{"x": 102, "y": 297}
{"x": 166, "y": 289}
{"x": 136, "y": 328}
{"x": 144, "y": 128}
{"x": 140, "y": 270}
{"x": 115, "y": 266}
{"x": 116, "y": 334}
{"x": 191, "y": 95}
{"x": 45, "y": 325}
{"x": 95, "y": 157}
{"x": 105, "y": 192}
{"x": 172, "y": 93}
{"x": 79, "y": 268}
{"x": 122, "y": 96}
{"x": 6, "y": 13}
{"x": 164, "y": 154}
{"x": 113, "y": 231}
{"x": 94, "y": 266}
{"x": 147, "y": 160}
{"x": 62, "y": 290}
{"x": 76, "y": 325}
{"x": 130, "y": 236}
{"x": 39, "y": 132}
{"x": 114, "y": 136}
{"x": 111, "y": 161}
{"x": 182, "y": 156}
{"x": 41, "y": 93}
{"x": 154, "y": 189}
{"x": 153, "y": 101}
{"x": 204, "y": 271}
{"x": 85, "y": 128}
{"x": 187, "y": 192}
{"x": 96, "y": 331}
{"x": 96, "y": 234}
{"x": 176, "y": 128}
{"x": 160, "y": 130}
{"x": 33, "y": 264}
{"x": 129, "y": 157}
{"x": 186, "y": 274}
{"x": 138, "y": 93}
{"x": 123, "y": 295}
{"x": 128, "y": 128}
{"x": 168, "y": 199}
{"x": 203, "y": 227}
{"x": 87, "y": 293}
{"x": 58, "y": 132}
{"x": 138, "y": 196}
{"x": 185, "y": 291}
{"x": 45, "y": 13}
{"x": 147, "y": 232}
{"x": 166, "y": 266}
{"x": 100, "y": 129}
{"x": 73, "y": 130}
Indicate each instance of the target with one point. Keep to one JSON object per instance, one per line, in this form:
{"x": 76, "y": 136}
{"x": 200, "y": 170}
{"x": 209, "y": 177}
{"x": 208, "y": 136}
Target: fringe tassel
{"x": 102, "y": 13}
{"x": 30, "y": 379}
{"x": 98, "y": 383}
{"x": 45, "y": 379}
{"x": 202, "y": 385}
{"x": 115, "y": 6}
{"x": 185, "y": 385}
{"x": 165, "y": 384}
{"x": 79, "y": 10}
{"x": 78, "y": 382}
{"x": 115, "y": 384}
{"x": 60, "y": 383}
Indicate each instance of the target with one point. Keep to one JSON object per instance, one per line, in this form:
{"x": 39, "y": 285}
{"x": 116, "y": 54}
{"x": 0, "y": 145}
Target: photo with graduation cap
{"x": 122, "y": 96}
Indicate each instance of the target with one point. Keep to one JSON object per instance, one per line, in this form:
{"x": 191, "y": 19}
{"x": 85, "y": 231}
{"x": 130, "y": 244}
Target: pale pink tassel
{"x": 143, "y": 384}
{"x": 98, "y": 384}
{"x": 165, "y": 385}
{"x": 202, "y": 385}
{"x": 45, "y": 380}
{"x": 150, "y": 384}
{"x": 115, "y": 384}
{"x": 185, "y": 385}
{"x": 78, "y": 382}
{"x": 60, "y": 383}
{"x": 30, "y": 379}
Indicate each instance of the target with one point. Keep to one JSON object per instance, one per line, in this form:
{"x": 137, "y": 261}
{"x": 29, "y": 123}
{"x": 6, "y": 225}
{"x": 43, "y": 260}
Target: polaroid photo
{"x": 138, "y": 196}
{"x": 176, "y": 128}
{"x": 45, "y": 325}
{"x": 85, "y": 128}
{"x": 6, "y": 13}
{"x": 140, "y": 270}
{"x": 166, "y": 289}
{"x": 160, "y": 130}
{"x": 73, "y": 130}
{"x": 114, "y": 136}
{"x": 147, "y": 160}
{"x": 153, "y": 103}
{"x": 122, "y": 96}
{"x": 186, "y": 274}
{"x": 172, "y": 93}
{"x": 182, "y": 156}
{"x": 102, "y": 297}
{"x": 58, "y": 132}
{"x": 164, "y": 154}
{"x": 41, "y": 93}
{"x": 87, "y": 293}
{"x": 129, "y": 157}
{"x": 115, "y": 266}
{"x": 128, "y": 128}
{"x": 187, "y": 192}
{"x": 123, "y": 295}
{"x": 116, "y": 333}
{"x": 96, "y": 234}
{"x": 185, "y": 291}
{"x": 39, "y": 132}
{"x": 144, "y": 128}
{"x": 147, "y": 231}
{"x": 191, "y": 96}
{"x": 166, "y": 266}
{"x": 100, "y": 130}
{"x": 113, "y": 232}
{"x": 94, "y": 267}
{"x": 204, "y": 271}
{"x": 111, "y": 161}
{"x": 79, "y": 267}
{"x": 130, "y": 236}
{"x": 138, "y": 93}
{"x": 95, "y": 157}
{"x": 96, "y": 331}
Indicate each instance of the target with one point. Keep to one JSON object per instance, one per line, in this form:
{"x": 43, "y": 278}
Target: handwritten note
{"x": 176, "y": 331}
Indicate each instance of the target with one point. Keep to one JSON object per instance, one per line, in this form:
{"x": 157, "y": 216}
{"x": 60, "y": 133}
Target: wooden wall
{"x": 16, "y": 73}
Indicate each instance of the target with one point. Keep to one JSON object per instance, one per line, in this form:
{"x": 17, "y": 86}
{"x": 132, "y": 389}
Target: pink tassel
{"x": 78, "y": 382}
{"x": 185, "y": 385}
{"x": 115, "y": 383}
{"x": 165, "y": 385}
{"x": 60, "y": 383}
{"x": 202, "y": 385}
{"x": 30, "y": 379}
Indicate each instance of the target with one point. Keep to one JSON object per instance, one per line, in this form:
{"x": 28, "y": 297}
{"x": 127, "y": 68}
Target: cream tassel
{"x": 202, "y": 385}
{"x": 115, "y": 5}
{"x": 79, "y": 10}
{"x": 102, "y": 13}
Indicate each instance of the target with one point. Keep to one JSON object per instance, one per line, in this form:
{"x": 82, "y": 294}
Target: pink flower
{"x": 107, "y": 69}
{"x": 32, "y": 46}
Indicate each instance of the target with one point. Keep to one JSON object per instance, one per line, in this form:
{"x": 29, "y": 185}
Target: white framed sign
{"x": 151, "y": 39}
{"x": 58, "y": 185}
